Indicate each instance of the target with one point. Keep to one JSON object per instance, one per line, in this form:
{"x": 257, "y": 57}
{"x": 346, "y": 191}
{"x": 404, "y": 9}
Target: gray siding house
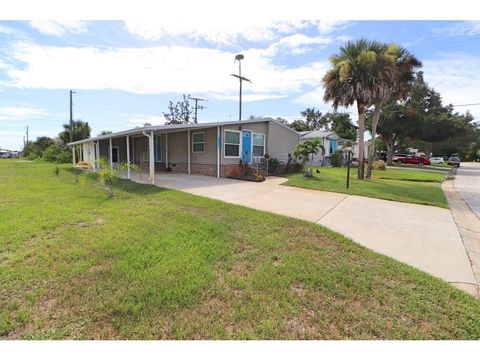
{"x": 330, "y": 141}
{"x": 213, "y": 149}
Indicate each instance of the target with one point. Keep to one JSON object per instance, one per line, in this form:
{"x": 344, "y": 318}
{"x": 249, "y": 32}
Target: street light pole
{"x": 241, "y": 78}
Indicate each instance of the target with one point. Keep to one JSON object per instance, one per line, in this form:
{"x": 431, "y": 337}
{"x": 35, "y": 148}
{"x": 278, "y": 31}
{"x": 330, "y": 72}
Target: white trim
{"x": 128, "y": 156}
{"x": 264, "y": 144}
{"x": 203, "y": 142}
{"x": 239, "y": 144}
{"x": 166, "y": 150}
{"x": 110, "y": 153}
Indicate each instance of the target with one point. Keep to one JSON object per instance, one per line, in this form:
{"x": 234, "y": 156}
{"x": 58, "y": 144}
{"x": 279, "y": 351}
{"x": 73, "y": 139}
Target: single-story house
{"x": 213, "y": 149}
{"x": 330, "y": 141}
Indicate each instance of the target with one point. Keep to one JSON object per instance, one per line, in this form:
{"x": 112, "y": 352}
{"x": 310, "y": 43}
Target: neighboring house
{"x": 213, "y": 149}
{"x": 365, "y": 149}
{"x": 330, "y": 141}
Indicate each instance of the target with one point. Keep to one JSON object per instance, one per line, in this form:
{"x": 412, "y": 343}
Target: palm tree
{"x": 394, "y": 74}
{"x": 305, "y": 152}
{"x": 350, "y": 81}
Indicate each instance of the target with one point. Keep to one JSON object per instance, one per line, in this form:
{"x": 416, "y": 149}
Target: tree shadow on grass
{"x": 137, "y": 188}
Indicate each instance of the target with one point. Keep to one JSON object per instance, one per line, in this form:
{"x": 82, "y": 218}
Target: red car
{"x": 416, "y": 160}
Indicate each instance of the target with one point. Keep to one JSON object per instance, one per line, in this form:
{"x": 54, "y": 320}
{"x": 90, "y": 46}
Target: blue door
{"x": 247, "y": 146}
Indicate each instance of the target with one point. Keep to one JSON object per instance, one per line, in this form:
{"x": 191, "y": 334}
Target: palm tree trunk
{"x": 361, "y": 144}
{"x": 371, "y": 149}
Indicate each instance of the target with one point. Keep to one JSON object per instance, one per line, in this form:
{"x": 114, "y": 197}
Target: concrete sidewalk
{"x": 425, "y": 237}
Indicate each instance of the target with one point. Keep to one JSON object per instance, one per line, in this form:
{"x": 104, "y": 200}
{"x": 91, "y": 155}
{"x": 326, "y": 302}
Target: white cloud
{"x": 297, "y": 44}
{"x": 226, "y": 31}
{"x": 59, "y": 28}
{"x": 18, "y": 113}
{"x": 461, "y": 28}
{"x": 158, "y": 70}
{"x": 455, "y": 77}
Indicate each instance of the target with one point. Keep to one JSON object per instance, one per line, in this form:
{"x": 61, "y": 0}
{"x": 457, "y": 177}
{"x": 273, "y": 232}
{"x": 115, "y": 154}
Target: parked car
{"x": 416, "y": 160}
{"x": 397, "y": 157}
{"x": 437, "y": 160}
{"x": 454, "y": 160}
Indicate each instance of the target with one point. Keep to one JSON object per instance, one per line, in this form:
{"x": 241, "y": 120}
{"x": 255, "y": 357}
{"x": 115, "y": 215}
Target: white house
{"x": 330, "y": 141}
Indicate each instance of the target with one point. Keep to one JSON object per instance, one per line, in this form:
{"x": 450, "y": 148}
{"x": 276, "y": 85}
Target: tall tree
{"x": 341, "y": 124}
{"x": 349, "y": 81}
{"x": 314, "y": 119}
{"x": 81, "y": 130}
{"x": 179, "y": 113}
{"x": 393, "y": 71}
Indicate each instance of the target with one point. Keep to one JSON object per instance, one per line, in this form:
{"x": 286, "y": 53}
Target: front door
{"x": 246, "y": 146}
{"x": 115, "y": 156}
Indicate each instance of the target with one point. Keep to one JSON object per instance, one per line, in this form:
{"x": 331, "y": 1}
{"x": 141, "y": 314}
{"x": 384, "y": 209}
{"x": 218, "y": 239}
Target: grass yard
{"x": 156, "y": 264}
{"x": 406, "y": 185}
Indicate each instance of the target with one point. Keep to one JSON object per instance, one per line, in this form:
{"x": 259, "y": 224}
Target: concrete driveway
{"x": 425, "y": 237}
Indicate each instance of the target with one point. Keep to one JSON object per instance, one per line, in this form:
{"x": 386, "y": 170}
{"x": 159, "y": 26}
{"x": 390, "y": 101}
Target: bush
{"x": 292, "y": 165}
{"x": 336, "y": 159}
{"x": 379, "y": 165}
{"x": 57, "y": 154}
{"x": 273, "y": 166}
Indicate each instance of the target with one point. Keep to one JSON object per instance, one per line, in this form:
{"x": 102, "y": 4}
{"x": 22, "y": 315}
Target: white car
{"x": 437, "y": 160}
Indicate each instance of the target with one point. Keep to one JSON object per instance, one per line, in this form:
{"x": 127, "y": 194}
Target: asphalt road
{"x": 467, "y": 182}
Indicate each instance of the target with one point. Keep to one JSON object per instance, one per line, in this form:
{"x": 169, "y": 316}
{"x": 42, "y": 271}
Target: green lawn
{"x": 406, "y": 185}
{"x": 153, "y": 263}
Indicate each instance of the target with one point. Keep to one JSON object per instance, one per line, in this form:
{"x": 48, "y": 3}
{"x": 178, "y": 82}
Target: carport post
{"x": 110, "y": 152}
{"x": 218, "y": 151}
{"x": 73, "y": 155}
{"x": 128, "y": 156}
{"x": 152, "y": 158}
{"x": 166, "y": 150}
{"x": 188, "y": 134}
{"x": 97, "y": 153}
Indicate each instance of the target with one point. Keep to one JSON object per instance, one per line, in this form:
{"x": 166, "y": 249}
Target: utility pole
{"x": 197, "y": 107}
{"x": 27, "y": 134}
{"x": 71, "y": 115}
{"x": 238, "y": 58}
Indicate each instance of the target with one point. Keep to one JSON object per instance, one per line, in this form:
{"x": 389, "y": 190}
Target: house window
{"x": 198, "y": 142}
{"x": 232, "y": 143}
{"x": 258, "y": 145}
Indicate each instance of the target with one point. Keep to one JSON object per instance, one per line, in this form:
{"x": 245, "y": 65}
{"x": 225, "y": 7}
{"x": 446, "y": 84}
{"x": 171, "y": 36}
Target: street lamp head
{"x": 239, "y": 57}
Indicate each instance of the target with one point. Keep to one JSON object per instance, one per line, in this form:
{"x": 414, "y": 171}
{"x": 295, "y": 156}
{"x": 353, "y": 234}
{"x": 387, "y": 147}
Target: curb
{"x": 468, "y": 225}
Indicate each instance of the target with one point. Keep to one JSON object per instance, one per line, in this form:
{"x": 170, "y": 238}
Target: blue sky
{"x": 125, "y": 73}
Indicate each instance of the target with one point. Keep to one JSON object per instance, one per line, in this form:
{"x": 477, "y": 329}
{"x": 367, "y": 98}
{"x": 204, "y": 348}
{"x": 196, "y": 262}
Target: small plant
{"x": 273, "y": 166}
{"x": 336, "y": 159}
{"x": 379, "y": 165}
{"x": 305, "y": 153}
{"x": 108, "y": 175}
{"x": 57, "y": 171}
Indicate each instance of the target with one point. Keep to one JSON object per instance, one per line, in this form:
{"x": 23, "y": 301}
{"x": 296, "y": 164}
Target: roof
{"x": 177, "y": 127}
{"x": 319, "y": 134}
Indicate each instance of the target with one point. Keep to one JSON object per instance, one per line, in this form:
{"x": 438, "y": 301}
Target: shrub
{"x": 379, "y": 165}
{"x": 273, "y": 166}
{"x": 292, "y": 165}
{"x": 57, "y": 154}
{"x": 336, "y": 159}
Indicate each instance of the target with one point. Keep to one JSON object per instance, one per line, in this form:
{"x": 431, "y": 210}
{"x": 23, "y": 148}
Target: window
{"x": 258, "y": 145}
{"x": 198, "y": 142}
{"x": 232, "y": 143}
